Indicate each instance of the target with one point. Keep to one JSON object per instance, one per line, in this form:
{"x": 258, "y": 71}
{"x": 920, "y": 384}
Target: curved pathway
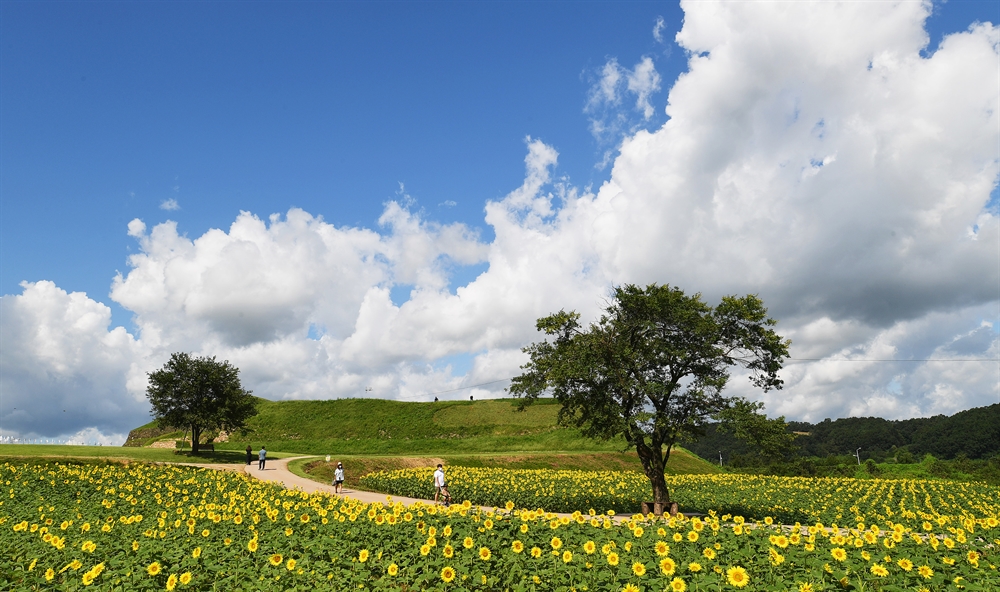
{"x": 276, "y": 471}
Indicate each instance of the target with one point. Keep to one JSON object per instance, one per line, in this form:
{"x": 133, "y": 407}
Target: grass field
{"x": 42, "y": 452}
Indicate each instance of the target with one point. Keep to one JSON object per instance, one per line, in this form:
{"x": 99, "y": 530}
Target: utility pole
{"x": 720, "y": 459}
{"x": 857, "y": 453}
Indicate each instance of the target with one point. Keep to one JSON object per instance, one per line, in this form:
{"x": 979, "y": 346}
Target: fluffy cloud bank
{"x": 811, "y": 155}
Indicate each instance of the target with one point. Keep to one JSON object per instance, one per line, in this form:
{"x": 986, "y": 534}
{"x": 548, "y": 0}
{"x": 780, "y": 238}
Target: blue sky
{"x": 111, "y": 108}
{"x": 196, "y": 111}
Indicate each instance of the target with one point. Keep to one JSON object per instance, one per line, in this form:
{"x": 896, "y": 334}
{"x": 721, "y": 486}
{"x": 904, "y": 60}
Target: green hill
{"x": 973, "y": 433}
{"x": 377, "y": 427}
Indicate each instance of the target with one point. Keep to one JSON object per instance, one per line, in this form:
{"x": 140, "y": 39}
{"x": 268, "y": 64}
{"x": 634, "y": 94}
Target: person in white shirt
{"x": 338, "y": 479}
{"x": 441, "y": 489}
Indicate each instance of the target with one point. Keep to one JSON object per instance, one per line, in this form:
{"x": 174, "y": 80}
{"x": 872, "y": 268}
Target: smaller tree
{"x": 199, "y": 393}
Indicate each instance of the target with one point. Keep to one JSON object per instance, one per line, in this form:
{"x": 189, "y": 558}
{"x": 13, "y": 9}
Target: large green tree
{"x": 653, "y": 367}
{"x": 199, "y": 393}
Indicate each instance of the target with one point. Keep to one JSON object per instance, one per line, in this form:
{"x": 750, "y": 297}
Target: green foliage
{"x": 768, "y": 438}
{"x": 200, "y": 393}
{"x": 652, "y": 368}
{"x": 974, "y": 434}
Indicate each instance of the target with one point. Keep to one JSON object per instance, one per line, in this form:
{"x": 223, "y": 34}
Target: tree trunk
{"x": 195, "y": 437}
{"x": 660, "y": 491}
{"x": 652, "y": 466}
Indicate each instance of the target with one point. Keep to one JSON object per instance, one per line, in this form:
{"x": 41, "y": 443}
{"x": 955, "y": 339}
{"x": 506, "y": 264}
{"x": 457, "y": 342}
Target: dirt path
{"x": 276, "y": 471}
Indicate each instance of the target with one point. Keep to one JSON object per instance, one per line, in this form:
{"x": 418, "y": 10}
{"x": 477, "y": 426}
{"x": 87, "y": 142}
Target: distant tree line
{"x": 970, "y": 435}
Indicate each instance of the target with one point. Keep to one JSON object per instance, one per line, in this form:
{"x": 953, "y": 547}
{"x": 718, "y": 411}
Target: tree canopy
{"x": 653, "y": 367}
{"x": 200, "y": 393}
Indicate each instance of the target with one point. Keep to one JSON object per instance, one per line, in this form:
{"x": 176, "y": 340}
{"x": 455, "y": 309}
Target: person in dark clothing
{"x": 249, "y": 454}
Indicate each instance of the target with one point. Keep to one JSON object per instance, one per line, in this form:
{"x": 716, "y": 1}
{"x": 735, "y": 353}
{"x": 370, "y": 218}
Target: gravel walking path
{"x": 277, "y": 471}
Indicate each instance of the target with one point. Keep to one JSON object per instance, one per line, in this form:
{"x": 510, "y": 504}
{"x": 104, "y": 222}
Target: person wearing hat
{"x": 338, "y": 479}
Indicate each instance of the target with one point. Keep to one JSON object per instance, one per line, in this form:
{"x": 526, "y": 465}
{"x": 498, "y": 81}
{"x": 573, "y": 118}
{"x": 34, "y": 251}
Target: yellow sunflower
{"x": 668, "y": 566}
{"x": 737, "y": 576}
{"x": 447, "y": 574}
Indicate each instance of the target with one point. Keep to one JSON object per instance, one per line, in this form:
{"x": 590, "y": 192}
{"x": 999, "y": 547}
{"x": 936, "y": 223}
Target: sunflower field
{"x": 785, "y": 499}
{"x": 145, "y": 527}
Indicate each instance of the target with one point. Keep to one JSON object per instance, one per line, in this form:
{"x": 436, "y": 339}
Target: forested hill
{"x": 974, "y": 433}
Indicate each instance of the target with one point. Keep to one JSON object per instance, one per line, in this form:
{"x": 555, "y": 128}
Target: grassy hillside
{"x": 375, "y": 434}
{"x": 380, "y": 427}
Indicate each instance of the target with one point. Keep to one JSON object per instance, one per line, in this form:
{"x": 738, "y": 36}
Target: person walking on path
{"x": 440, "y": 487}
{"x": 249, "y": 454}
{"x": 262, "y": 456}
{"x": 338, "y": 479}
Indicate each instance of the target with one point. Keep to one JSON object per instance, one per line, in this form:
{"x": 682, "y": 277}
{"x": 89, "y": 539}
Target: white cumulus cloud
{"x": 64, "y": 369}
{"x": 812, "y": 155}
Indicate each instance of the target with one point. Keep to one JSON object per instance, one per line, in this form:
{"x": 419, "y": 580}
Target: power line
{"x": 890, "y": 360}
{"x": 455, "y": 390}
